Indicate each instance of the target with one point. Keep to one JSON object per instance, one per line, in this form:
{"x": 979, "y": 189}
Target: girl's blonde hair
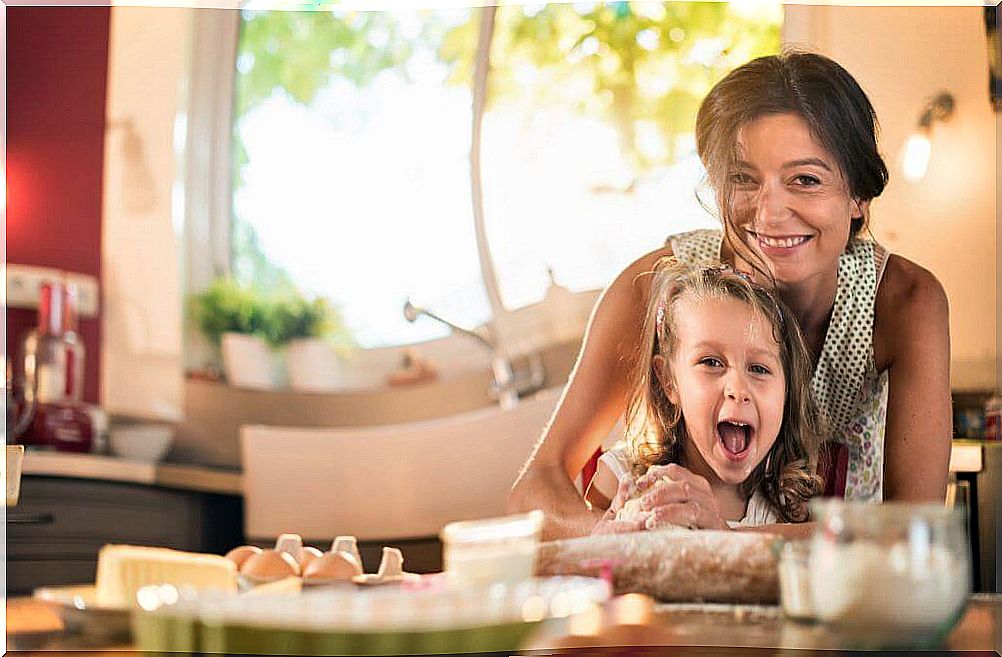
{"x": 655, "y": 428}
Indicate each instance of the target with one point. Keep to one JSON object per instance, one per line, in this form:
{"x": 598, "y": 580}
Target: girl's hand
{"x": 676, "y": 497}
{"x": 609, "y": 524}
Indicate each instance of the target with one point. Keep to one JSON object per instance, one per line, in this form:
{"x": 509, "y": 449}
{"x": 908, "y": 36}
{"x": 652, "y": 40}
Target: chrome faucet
{"x": 504, "y": 378}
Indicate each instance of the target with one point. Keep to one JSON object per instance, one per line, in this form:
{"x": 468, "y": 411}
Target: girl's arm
{"x": 594, "y": 399}
{"x": 912, "y": 335}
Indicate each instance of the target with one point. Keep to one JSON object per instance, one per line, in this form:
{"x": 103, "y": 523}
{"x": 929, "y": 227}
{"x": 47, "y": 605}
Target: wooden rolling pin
{"x": 674, "y": 565}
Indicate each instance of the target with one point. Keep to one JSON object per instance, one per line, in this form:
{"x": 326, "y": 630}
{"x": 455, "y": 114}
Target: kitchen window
{"x": 351, "y": 155}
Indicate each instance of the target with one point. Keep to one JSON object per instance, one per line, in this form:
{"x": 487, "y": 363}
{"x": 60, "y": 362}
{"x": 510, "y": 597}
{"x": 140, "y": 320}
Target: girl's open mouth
{"x": 736, "y": 438}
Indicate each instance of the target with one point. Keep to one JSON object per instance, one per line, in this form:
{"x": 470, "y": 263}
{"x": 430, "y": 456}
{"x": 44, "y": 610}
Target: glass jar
{"x": 889, "y": 575}
{"x": 794, "y": 580}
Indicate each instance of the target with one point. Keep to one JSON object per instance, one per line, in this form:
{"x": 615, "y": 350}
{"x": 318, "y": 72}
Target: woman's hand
{"x": 675, "y": 497}
{"x": 610, "y": 524}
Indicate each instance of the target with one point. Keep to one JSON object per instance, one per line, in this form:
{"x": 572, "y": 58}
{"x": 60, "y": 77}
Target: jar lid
{"x": 526, "y": 525}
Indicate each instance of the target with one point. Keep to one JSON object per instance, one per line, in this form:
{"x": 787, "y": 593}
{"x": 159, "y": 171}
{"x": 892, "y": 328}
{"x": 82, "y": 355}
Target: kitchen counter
{"x": 109, "y": 468}
{"x": 33, "y": 625}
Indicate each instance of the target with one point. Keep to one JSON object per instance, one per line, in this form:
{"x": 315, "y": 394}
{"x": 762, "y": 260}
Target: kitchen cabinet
{"x": 55, "y": 532}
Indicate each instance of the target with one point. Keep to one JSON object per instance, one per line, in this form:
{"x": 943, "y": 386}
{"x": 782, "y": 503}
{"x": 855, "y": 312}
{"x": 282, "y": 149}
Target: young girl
{"x": 721, "y": 425}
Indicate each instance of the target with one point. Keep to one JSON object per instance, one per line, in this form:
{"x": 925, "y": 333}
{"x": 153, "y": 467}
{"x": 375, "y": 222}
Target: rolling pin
{"x": 674, "y": 565}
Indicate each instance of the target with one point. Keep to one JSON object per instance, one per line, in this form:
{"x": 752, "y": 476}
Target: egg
{"x": 239, "y": 555}
{"x": 291, "y": 543}
{"x": 268, "y": 566}
{"x": 332, "y": 567}
{"x": 309, "y": 554}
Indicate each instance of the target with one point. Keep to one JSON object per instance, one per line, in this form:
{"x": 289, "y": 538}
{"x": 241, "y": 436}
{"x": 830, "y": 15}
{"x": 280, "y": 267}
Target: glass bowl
{"x": 889, "y": 575}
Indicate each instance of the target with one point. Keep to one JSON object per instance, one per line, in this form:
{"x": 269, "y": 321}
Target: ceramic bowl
{"x": 148, "y": 443}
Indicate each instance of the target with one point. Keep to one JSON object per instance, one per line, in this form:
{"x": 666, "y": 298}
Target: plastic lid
{"x": 526, "y": 525}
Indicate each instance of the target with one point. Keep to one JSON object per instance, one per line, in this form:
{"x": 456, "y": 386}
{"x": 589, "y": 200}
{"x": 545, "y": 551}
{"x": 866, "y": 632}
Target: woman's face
{"x": 726, "y": 375}
{"x": 790, "y": 199}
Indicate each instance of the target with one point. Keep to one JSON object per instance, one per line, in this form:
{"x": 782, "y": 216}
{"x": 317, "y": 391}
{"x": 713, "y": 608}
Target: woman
{"x": 789, "y": 145}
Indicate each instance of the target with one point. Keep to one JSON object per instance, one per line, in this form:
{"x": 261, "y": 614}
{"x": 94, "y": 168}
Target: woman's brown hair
{"x": 655, "y": 427}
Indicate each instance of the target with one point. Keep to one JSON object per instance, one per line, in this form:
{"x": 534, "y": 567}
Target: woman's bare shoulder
{"x": 909, "y": 286}
{"x": 909, "y": 296}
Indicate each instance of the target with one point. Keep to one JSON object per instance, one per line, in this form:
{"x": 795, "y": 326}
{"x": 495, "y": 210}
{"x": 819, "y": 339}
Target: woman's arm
{"x": 594, "y": 399}
{"x": 912, "y": 340}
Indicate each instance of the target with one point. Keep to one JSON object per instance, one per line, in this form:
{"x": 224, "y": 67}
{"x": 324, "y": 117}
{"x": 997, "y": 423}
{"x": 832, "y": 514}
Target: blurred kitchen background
{"x": 235, "y": 206}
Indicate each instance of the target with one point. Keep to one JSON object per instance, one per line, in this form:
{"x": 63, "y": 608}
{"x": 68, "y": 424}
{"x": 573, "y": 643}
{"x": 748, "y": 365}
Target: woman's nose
{"x": 770, "y": 206}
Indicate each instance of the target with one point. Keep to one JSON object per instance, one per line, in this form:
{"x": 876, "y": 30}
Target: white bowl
{"x": 142, "y": 442}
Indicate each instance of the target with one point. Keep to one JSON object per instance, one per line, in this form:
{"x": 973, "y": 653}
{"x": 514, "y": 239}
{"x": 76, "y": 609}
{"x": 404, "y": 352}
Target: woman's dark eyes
{"x": 759, "y": 369}
{"x": 741, "y": 179}
{"x": 807, "y": 181}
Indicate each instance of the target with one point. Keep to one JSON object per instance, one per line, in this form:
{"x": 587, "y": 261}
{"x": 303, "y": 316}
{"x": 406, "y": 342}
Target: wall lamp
{"x": 918, "y": 147}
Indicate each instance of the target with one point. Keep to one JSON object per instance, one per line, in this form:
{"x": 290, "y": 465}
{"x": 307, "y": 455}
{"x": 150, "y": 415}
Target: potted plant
{"x": 310, "y": 328}
{"x": 237, "y": 319}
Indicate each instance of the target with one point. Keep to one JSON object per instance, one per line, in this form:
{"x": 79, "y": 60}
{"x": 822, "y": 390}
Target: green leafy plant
{"x": 294, "y": 317}
{"x": 227, "y": 307}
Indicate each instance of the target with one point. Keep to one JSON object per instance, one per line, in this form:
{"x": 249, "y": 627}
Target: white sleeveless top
{"x": 849, "y": 391}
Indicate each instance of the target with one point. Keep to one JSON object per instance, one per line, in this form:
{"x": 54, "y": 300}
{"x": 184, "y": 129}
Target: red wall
{"x": 57, "y": 71}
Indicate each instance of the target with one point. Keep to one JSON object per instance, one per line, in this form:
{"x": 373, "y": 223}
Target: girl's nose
{"x": 737, "y": 391}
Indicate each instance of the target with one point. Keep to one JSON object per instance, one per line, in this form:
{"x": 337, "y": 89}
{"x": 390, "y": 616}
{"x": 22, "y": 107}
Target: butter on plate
{"x": 123, "y": 569}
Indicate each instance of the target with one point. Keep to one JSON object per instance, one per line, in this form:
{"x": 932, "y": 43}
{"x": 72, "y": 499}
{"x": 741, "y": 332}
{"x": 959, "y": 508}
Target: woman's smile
{"x": 779, "y": 245}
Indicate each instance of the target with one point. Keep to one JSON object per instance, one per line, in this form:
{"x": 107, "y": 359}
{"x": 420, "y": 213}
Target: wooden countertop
{"x": 110, "y": 468}
{"x": 34, "y": 625}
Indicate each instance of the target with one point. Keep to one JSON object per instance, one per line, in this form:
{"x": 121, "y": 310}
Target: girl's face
{"x": 791, "y": 199}
{"x": 727, "y": 377}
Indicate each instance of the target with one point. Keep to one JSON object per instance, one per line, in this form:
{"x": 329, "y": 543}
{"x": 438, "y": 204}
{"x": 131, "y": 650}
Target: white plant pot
{"x": 248, "y": 361}
{"x": 313, "y": 365}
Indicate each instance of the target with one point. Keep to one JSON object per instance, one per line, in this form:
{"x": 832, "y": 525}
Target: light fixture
{"x": 918, "y": 147}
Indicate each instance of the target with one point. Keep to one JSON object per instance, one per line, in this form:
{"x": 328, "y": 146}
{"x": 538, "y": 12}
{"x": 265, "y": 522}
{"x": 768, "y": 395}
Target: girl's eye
{"x": 759, "y": 369}
{"x": 805, "y": 180}
{"x": 742, "y": 179}
{"x": 710, "y": 361}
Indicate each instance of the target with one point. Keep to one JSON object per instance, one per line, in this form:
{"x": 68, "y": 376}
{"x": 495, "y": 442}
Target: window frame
{"x": 208, "y": 204}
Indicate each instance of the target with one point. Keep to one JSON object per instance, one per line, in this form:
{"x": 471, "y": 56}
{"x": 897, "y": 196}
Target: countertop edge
{"x": 108, "y": 468}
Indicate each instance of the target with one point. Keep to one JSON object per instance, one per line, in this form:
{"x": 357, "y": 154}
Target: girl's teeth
{"x": 782, "y": 243}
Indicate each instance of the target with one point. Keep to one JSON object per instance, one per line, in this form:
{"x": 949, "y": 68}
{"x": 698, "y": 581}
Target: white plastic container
{"x": 483, "y": 552}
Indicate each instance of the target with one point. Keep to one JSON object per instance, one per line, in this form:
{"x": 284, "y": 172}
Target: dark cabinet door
{"x": 55, "y": 532}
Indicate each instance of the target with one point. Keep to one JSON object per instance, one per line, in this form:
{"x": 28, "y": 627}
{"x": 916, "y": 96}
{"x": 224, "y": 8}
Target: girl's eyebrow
{"x": 759, "y": 352}
{"x": 706, "y": 344}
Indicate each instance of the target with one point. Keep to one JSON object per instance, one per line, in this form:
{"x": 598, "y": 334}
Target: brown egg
{"x": 268, "y": 566}
{"x": 332, "y": 567}
{"x": 239, "y": 555}
{"x": 291, "y": 543}
{"x": 309, "y": 554}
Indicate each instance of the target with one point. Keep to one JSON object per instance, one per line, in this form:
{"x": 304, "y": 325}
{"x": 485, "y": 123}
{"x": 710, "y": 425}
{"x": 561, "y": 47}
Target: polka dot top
{"x": 850, "y": 393}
